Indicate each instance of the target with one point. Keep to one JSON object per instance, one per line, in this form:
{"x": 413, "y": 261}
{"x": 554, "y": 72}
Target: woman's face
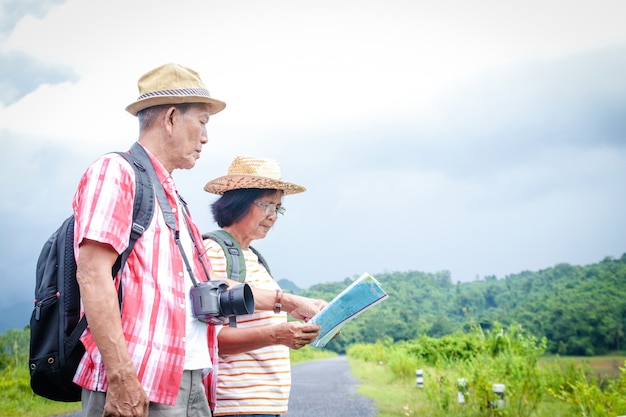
{"x": 261, "y": 216}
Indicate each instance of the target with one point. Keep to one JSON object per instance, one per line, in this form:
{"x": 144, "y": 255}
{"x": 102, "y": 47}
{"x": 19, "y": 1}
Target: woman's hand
{"x": 295, "y": 334}
{"x": 302, "y": 308}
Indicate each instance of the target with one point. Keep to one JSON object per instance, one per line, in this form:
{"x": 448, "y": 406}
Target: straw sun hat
{"x": 252, "y": 172}
{"x": 172, "y": 84}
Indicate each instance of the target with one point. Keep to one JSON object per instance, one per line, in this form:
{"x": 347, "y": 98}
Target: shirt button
{"x": 180, "y": 274}
{"x": 173, "y": 209}
{"x": 182, "y": 305}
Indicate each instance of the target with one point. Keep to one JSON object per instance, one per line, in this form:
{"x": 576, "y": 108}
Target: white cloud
{"x": 296, "y": 64}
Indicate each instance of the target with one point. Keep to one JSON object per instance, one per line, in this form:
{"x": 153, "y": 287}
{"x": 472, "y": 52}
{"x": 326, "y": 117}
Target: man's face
{"x": 189, "y": 134}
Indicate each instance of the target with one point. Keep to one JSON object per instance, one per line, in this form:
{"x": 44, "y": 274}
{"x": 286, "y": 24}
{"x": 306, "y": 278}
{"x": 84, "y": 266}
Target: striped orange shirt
{"x": 258, "y": 381}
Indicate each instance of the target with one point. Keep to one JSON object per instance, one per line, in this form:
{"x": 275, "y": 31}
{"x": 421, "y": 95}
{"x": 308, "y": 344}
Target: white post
{"x": 498, "y": 389}
{"x": 461, "y": 386}
{"x": 419, "y": 378}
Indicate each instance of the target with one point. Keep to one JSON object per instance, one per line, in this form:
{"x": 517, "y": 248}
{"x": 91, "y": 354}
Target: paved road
{"x": 323, "y": 388}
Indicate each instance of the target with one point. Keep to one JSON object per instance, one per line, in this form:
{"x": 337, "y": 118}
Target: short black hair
{"x": 233, "y": 205}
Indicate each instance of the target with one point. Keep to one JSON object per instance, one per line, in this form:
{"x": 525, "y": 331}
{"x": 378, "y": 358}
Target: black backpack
{"x": 55, "y": 323}
{"x": 235, "y": 262}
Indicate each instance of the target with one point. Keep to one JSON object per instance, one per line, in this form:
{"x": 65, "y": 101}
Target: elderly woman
{"x": 254, "y": 376}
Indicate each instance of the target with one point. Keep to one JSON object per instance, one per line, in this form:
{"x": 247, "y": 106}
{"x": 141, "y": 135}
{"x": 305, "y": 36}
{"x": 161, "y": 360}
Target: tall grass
{"x": 533, "y": 387}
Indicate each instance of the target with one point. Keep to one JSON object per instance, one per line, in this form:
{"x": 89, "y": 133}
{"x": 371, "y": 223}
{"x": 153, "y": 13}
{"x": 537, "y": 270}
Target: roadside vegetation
{"x": 459, "y": 372}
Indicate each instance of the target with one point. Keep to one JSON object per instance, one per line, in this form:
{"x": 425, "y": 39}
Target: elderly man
{"x": 148, "y": 357}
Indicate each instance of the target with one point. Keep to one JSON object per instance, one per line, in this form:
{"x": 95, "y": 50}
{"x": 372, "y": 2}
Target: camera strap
{"x": 199, "y": 252}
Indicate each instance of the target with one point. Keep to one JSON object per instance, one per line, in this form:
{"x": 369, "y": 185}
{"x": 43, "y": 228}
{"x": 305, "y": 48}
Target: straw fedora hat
{"x": 252, "y": 172}
{"x": 172, "y": 84}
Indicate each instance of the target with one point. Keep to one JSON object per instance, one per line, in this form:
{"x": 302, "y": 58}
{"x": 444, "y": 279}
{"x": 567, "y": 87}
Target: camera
{"x": 213, "y": 302}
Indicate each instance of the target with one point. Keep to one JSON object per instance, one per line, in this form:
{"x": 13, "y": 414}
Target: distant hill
{"x": 289, "y": 286}
{"x": 581, "y": 310}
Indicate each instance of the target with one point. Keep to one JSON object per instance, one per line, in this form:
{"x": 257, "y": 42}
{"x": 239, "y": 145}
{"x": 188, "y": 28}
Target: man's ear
{"x": 168, "y": 119}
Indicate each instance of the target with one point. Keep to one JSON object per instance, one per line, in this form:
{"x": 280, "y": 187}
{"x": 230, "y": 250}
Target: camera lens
{"x": 237, "y": 301}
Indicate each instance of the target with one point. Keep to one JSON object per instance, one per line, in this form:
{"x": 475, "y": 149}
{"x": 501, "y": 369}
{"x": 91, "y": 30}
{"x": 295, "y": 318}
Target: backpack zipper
{"x": 41, "y": 303}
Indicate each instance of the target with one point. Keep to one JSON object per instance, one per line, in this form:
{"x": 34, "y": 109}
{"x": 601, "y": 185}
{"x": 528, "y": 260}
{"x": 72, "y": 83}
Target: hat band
{"x": 177, "y": 92}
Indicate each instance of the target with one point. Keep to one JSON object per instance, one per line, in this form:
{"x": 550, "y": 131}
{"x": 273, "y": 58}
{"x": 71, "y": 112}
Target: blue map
{"x": 359, "y": 296}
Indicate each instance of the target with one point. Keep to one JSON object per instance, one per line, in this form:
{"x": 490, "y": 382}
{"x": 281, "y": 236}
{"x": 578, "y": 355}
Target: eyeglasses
{"x": 270, "y": 208}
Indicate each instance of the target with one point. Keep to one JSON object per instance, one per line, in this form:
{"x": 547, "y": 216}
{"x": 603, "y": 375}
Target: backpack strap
{"x": 143, "y": 206}
{"x": 235, "y": 262}
{"x": 143, "y": 210}
{"x": 262, "y": 260}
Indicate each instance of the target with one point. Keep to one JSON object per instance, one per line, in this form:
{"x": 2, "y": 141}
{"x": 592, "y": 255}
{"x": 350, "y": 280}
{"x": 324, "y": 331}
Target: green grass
{"x": 391, "y": 396}
{"x": 400, "y": 397}
{"x": 18, "y": 399}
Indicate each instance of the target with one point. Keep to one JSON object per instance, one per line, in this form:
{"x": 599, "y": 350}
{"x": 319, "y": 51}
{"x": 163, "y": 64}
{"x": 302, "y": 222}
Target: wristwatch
{"x": 278, "y": 306}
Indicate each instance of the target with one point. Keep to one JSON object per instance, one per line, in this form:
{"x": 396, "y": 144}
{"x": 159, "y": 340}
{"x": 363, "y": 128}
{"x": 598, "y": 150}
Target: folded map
{"x": 363, "y": 293}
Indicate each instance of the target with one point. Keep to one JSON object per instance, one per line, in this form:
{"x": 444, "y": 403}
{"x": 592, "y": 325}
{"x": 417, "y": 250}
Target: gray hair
{"x": 148, "y": 115}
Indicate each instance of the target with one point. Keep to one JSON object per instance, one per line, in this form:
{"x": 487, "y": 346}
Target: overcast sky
{"x": 477, "y": 137}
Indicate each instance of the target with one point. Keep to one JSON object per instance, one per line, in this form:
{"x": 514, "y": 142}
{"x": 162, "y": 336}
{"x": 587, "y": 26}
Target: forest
{"x": 580, "y": 310}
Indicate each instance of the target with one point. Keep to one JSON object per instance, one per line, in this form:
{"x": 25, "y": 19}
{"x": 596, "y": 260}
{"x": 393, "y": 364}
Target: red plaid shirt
{"x": 153, "y": 313}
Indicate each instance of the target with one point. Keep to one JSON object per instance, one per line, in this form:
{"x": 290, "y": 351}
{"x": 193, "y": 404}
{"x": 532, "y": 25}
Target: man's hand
{"x": 126, "y": 397}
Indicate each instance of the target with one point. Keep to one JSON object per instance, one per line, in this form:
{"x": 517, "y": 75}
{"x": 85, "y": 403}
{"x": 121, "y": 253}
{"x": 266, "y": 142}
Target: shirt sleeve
{"x": 103, "y": 203}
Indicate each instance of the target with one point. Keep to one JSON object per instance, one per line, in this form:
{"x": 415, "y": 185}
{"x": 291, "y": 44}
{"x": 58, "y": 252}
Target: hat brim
{"x": 216, "y": 106}
{"x": 237, "y": 182}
